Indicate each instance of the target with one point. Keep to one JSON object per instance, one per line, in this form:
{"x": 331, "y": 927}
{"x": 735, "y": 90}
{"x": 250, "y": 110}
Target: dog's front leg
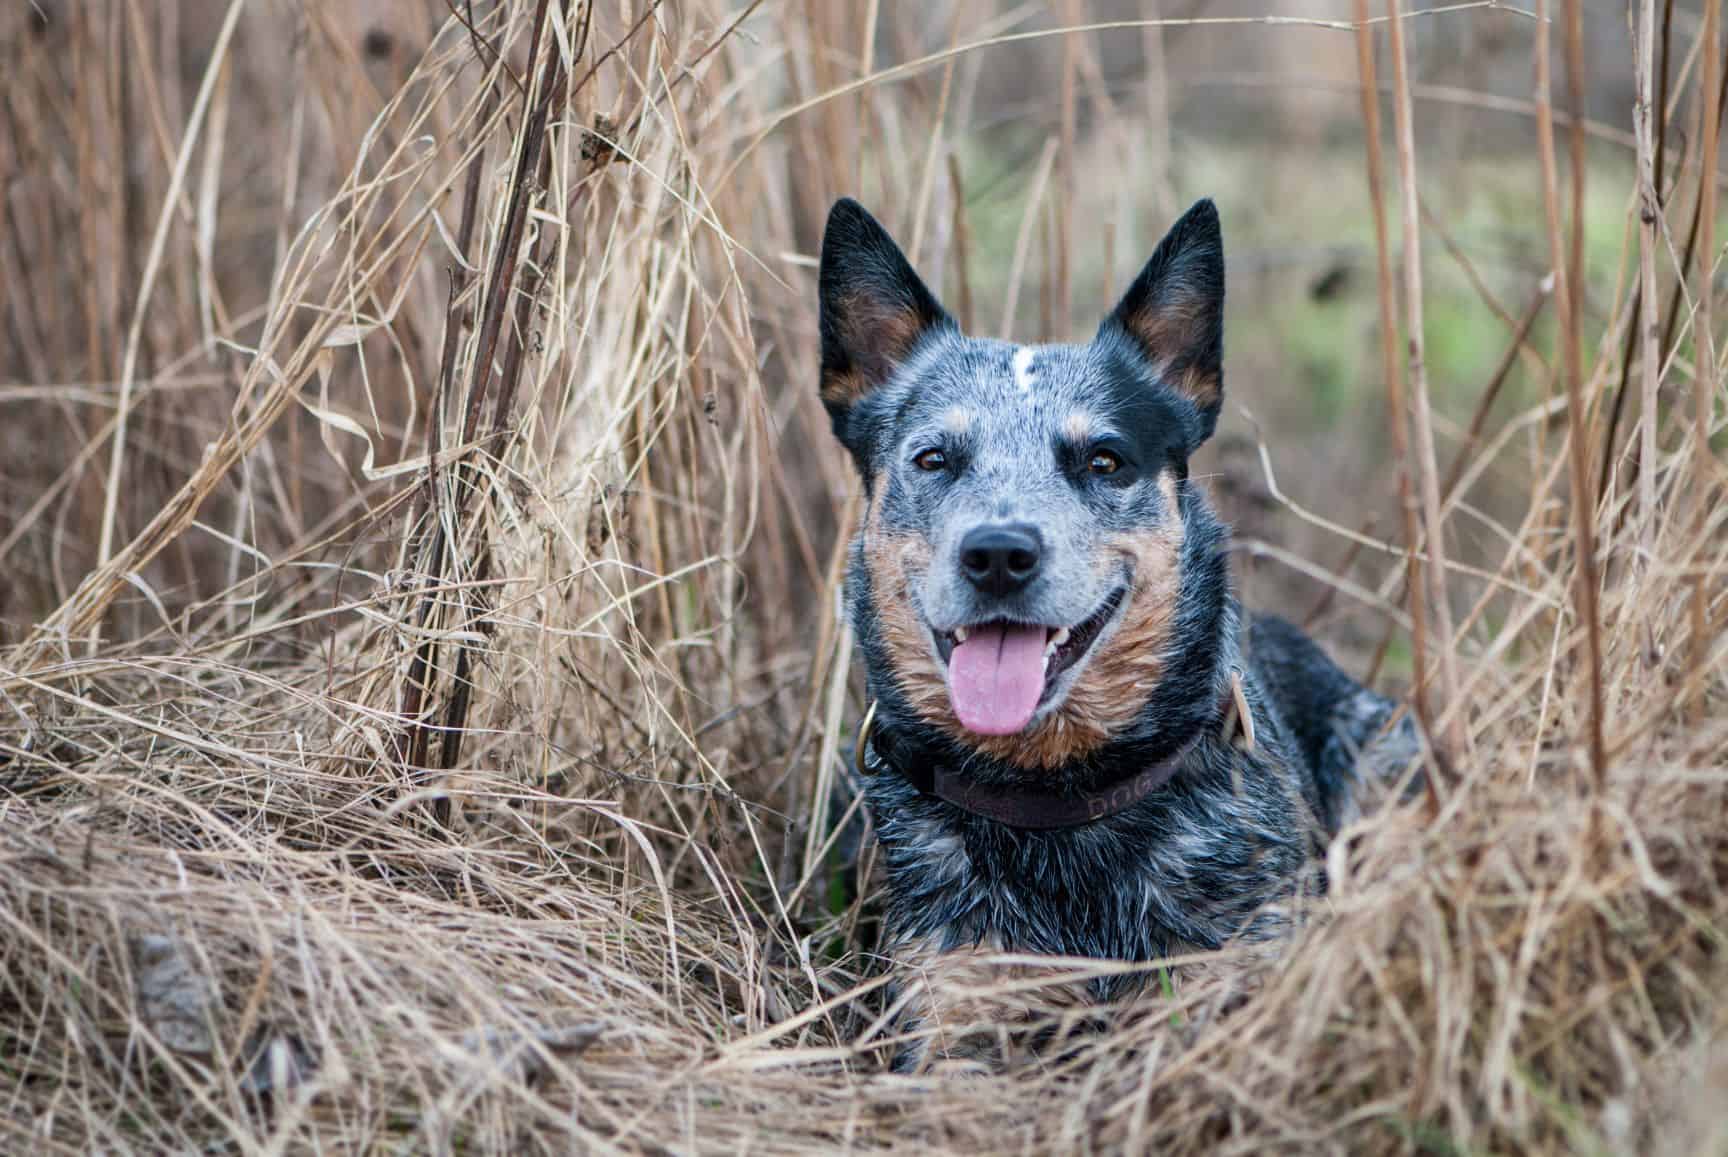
{"x": 967, "y": 1010}
{"x": 947, "y": 1021}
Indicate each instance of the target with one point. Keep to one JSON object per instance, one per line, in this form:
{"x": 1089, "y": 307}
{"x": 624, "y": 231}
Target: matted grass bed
{"x": 422, "y": 707}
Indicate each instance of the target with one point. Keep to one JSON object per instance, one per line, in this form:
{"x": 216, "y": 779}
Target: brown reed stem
{"x": 1673, "y": 313}
{"x": 529, "y": 175}
{"x": 1583, "y": 492}
{"x": 962, "y": 245}
{"x": 1067, "y": 106}
{"x": 1461, "y": 460}
{"x": 1647, "y": 326}
{"x": 1567, "y": 300}
{"x": 1392, "y": 371}
{"x": 1704, "y": 380}
{"x": 1453, "y": 734}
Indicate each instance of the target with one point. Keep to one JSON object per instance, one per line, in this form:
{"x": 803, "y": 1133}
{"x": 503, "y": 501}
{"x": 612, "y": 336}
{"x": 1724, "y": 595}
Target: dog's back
{"x": 1338, "y": 726}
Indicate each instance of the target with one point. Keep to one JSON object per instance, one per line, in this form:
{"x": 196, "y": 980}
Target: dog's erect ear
{"x": 1174, "y": 312}
{"x": 874, "y": 310}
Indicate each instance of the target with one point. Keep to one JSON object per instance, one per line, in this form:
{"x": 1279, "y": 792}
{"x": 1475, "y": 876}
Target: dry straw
{"x": 421, "y": 687}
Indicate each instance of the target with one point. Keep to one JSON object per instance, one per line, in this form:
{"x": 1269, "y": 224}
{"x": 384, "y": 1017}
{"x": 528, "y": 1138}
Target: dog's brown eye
{"x": 931, "y": 460}
{"x": 1104, "y": 462}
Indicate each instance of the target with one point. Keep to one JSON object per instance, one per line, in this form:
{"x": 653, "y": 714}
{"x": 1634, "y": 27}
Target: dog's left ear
{"x": 874, "y": 312}
{"x": 1174, "y": 313}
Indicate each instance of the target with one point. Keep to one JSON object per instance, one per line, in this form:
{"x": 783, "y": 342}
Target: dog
{"x": 1078, "y": 745}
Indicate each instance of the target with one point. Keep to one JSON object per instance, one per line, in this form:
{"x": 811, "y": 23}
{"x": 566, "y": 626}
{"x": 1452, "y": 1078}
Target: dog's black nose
{"x": 1000, "y": 559}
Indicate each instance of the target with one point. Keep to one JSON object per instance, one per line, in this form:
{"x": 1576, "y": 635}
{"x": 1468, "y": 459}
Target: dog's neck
{"x": 1200, "y": 702}
{"x": 1039, "y": 807}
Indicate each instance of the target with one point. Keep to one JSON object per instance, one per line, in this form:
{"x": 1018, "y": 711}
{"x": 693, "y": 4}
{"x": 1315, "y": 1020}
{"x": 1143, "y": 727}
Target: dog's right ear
{"x": 874, "y": 312}
{"x": 1174, "y": 312}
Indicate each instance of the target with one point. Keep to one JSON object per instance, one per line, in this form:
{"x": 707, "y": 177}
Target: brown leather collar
{"x": 1020, "y": 807}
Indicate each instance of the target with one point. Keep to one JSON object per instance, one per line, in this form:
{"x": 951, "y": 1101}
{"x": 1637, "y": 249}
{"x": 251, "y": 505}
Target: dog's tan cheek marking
{"x": 892, "y": 558}
{"x": 1120, "y": 678}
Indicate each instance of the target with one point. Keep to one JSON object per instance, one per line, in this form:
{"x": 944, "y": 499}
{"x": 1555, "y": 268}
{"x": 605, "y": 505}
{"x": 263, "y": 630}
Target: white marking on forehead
{"x": 1023, "y": 372}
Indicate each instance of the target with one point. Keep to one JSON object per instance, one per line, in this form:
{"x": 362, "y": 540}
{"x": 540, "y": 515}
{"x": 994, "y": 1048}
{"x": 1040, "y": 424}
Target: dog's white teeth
{"x": 1059, "y": 637}
{"x": 959, "y": 634}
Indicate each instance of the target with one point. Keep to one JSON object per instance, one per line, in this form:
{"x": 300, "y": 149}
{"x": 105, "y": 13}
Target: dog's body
{"x": 1061, "y": 761}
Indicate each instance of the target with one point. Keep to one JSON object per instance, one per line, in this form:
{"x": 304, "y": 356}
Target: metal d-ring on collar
{"x": 1045, "y": 810}
{"x": 860, "y": 763}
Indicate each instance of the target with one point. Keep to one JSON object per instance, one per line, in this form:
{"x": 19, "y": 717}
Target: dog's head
{"x": 1018, "y": 571}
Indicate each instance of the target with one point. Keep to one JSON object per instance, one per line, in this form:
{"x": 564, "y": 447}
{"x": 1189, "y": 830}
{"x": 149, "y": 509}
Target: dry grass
{"x": 419, "y": 684}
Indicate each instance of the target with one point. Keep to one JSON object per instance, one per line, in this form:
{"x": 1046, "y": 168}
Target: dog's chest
{"x": 1191, "y": 869}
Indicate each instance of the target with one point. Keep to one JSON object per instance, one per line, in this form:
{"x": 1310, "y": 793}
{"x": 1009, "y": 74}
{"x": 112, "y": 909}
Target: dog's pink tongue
{"x": 995, "y": 678}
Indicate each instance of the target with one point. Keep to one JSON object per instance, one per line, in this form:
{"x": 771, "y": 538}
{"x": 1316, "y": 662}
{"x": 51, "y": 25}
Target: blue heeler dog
{"x": 1078, "y": 748}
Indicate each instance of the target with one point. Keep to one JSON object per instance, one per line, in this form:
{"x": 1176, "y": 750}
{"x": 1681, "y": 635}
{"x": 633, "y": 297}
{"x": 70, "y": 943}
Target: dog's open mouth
{"x": 999, "y": 672}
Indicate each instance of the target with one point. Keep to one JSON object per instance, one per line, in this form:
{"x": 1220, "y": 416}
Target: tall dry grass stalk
{"x": 422, "y": 696}
{"x": 1447, "y": 726}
